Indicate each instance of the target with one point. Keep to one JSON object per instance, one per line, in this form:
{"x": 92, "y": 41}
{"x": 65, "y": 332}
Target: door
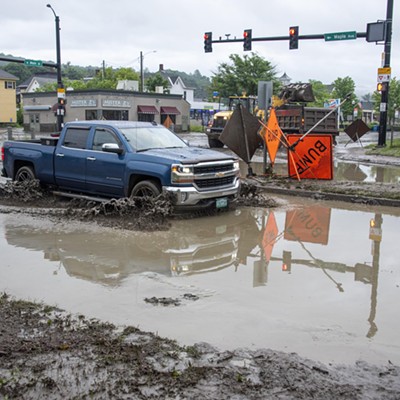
{"x": 105, "y": 171}
{"x": 34, "y": 122}
{"x": 70, "y": 159}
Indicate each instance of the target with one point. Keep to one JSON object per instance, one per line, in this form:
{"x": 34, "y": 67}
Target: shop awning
{"x": 147, "y": 110}
{"x": 170, "y": 110}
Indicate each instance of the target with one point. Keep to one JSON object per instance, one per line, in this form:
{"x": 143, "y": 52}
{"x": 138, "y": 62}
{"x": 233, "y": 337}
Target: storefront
{"x": 170, "y": 110}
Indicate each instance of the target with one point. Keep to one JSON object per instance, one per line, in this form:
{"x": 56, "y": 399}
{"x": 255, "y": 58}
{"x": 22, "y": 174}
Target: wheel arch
{"x": 134, "y": 179}
{"x": 22, "y": 163}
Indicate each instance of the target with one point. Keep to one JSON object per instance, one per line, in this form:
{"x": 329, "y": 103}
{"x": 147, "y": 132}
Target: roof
{"x": 6, "y": 75}
{"x": 41, "y": 77}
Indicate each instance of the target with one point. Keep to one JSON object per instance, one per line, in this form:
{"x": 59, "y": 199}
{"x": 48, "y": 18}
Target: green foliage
{"x": 389, "y": 150}
{"x": 321, "y": 93}
{"x": 241, "y": 75}
{"x": 394, "y": 99}
{"x": 20, "y": 116}
{"x": 343, "y": 87}
{"x": 156, "y": 80}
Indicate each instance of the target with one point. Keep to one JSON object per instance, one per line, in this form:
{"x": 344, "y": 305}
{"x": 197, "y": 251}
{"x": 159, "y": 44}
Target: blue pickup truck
{"x": 114, "y": 159}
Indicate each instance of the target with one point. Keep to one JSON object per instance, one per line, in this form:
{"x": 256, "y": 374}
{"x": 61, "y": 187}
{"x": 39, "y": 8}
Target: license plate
{"x": 222, "y": 202}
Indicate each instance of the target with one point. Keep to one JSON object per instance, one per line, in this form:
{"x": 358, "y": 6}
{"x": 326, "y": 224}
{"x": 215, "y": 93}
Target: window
{"x": 102, "y": 136}
{"x": 145, "y": 117}
{"x": 9, "y": 84}
{"x": 90, "y": 115}
{"x": 76, "y": 138}
{"x": 117, "y": 115}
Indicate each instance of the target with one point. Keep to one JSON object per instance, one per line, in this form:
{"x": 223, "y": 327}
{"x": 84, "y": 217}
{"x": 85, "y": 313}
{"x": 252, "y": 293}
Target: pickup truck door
{"x": 105, "y": 171}
{"x": 70, "y": 159}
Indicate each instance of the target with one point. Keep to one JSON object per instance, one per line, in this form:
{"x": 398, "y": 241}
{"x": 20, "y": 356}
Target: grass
{"x": 389, "y": 150}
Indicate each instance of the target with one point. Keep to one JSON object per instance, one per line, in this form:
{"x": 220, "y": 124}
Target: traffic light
{"x": 293, "y": 37}
{"x": 286, "y": 261}
{"x": 381, "y": 87}
{"x": 247, "y": 40}
{"x": 208, "y": 42}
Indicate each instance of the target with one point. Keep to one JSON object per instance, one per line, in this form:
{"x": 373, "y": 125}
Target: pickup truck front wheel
{"x": 146, "y": 189}
{"x": 25, "y": 174}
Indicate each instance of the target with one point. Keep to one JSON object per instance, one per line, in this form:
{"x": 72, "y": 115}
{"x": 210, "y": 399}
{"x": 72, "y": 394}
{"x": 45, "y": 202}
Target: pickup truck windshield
{"x": 146, "y": 138}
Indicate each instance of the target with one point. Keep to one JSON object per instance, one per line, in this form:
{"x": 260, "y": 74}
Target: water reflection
{"x": 343, "y": 171}
{"x": 249, "y": 238}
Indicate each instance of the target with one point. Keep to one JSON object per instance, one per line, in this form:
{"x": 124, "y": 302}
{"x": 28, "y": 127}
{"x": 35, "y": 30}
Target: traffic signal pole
{"x": 385, "y": 93}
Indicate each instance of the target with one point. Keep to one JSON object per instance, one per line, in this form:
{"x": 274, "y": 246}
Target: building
{"x": 8, "y": 98}
{"x": 171, "y": 110}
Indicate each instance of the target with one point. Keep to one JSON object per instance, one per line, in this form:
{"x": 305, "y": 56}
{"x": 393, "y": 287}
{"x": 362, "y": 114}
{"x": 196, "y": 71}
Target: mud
{"x": 46, "y": 353}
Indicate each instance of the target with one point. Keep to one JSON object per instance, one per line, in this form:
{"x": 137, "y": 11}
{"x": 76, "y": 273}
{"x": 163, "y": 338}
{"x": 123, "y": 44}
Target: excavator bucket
{"x": 240, "y": 134}
{"x": 297, "y": 92}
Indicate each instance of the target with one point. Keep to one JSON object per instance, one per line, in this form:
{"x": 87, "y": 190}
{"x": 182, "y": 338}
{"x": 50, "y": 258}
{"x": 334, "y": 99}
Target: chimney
{"x": 161, "y": 68}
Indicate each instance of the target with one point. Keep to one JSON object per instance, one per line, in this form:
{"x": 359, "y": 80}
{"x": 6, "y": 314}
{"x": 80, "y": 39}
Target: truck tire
{"x": 215, "y": 143}
{"x": 146, "y": 188}
{"x": 25, "y": 173}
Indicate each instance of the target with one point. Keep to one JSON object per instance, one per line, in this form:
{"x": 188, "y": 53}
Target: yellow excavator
{"x": 220, "y": 119}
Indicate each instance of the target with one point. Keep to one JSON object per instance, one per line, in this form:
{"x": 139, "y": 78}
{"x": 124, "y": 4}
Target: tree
{"x": 342, "y": 88}
{"x": 156, "y": 80}
{"x": 241, "y": 75}
{"x": 321, "y": 93}
{"x": 394, "y": 99}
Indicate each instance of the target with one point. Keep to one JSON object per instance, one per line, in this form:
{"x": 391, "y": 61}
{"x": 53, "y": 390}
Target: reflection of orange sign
{"x": 269, "y": 237}
{"x": 271, "y": 133}
{"x": 308, "y": 225}
{"x": 311, "y": 158}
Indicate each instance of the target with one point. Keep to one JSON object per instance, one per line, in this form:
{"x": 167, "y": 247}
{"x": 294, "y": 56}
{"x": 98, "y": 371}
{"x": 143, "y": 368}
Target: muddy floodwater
{"x": 316, "y": 278}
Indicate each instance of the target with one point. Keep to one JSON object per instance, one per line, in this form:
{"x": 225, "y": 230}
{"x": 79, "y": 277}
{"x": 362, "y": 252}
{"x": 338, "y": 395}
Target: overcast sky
{"x": 116, "y": 31}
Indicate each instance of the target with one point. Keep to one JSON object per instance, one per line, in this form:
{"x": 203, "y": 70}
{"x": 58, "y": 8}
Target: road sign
{"x": 33, "y": 63}
{"x": 340, "y": 36}
{"x": 384, "y": 74}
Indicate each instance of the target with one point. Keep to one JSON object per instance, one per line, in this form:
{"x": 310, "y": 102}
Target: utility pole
{"x": 141, "y": 73}
{"x": 385, "y": 93}
{"x": 60, "y": 86}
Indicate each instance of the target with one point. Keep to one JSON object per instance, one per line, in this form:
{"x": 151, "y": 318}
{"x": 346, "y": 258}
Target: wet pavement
{"x": 309, "y": 277}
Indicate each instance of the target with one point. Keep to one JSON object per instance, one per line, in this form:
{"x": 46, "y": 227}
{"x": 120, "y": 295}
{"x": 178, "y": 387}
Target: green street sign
{"x": 33, "y": 63}
{"x": 340, "y": 36}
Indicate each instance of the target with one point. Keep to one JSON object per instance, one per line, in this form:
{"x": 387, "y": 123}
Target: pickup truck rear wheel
{"x": 146, "y": 189}
{"x": 25, "y": 173}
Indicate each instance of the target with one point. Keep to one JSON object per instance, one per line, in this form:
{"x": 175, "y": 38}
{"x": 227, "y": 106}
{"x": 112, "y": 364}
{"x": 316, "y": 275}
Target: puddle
{"x": 312, "y": 278}
{"x": 342, "y": 171}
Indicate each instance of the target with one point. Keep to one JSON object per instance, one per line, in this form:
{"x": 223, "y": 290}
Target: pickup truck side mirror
{"x": 112, "y": 148}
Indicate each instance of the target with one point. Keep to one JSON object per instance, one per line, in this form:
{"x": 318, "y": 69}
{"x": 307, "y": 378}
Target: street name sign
{"x": 329, "y": 37}
{"x": 33, "y": 63}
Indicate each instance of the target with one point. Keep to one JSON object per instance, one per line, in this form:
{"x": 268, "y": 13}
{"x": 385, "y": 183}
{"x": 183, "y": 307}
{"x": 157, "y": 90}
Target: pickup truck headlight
{"x": 182, "y": 173}
{"x": 236, "y": 165}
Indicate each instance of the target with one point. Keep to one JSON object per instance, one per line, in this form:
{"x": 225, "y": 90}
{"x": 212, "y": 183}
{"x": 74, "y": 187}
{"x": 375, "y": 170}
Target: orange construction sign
{"x": 168, "y": 122}
{"x": 271, "y": 134}
{"x": 311, "y": 157}
{"x": 310, "y": 224}
{"x": 269, "y": 237}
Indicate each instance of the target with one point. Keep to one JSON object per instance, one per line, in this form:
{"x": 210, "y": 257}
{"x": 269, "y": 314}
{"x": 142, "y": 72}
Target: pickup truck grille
{"x": 211, "y": 169}
{"x": 215, "y": 182}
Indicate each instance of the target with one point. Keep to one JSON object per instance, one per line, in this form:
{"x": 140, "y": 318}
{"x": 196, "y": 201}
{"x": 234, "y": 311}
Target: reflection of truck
{"x": 220, "y": 119}
{"x": 95, "y": 255}
{"x": 117, "y": 159}
{"x": 295, "y": 117}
